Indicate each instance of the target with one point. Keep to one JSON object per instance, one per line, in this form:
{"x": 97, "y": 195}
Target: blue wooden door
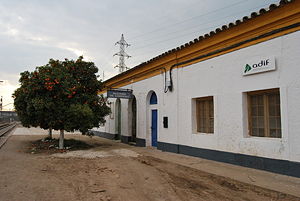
{"x": 154, "y": 128}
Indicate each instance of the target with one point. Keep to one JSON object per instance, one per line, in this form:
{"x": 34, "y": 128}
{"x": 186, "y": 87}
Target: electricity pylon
{"x": 122, "y": 54}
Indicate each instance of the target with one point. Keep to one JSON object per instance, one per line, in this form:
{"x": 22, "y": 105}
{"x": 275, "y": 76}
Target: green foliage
{"x": 61, "y": 95}
{"x": 80, "y": 114}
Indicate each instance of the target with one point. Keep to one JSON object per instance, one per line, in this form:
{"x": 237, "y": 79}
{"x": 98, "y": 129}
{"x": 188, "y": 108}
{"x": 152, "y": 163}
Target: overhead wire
{"x": 164, "y": 28}
{"x": 189, "y": 33}
{"x": 210, "y": 27}
{"x": 188, "y": 19}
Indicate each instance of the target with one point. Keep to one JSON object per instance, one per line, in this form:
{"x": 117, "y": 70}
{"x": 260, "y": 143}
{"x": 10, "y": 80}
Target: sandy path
{"x": 122, "y": 174}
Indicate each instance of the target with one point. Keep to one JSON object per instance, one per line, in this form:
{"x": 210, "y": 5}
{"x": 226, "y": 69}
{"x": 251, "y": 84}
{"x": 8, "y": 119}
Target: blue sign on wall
{"x": 127, "y": 94}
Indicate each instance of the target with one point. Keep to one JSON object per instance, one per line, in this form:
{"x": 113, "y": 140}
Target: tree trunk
{"x": 61, "y": 139}
{"x": 50, "y": 133}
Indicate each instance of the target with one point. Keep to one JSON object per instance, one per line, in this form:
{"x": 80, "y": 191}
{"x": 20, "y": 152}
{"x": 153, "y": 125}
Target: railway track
{"x": 5, "y": 129}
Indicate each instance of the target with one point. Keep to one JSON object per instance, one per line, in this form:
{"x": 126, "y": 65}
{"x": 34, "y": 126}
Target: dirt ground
{"x": 111, "y": 171}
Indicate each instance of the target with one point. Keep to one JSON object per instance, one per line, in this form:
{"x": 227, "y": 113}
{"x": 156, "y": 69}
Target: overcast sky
{"x": 33, "y": 31}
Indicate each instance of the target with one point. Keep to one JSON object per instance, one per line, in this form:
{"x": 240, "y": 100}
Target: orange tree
{"x": 61, "y": 95}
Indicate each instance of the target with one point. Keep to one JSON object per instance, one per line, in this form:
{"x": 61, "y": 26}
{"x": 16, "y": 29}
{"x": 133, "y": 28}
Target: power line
{"x": 186, "y": 31}
{"x": 189, "y": 32}
{"x": 188, "y": 19}
{"x": 186, "y": 34}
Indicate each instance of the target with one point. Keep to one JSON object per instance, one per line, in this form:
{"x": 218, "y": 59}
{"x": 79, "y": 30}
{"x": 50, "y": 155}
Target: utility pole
{"x": 1, "y": 100}
{"x": 1, "y": 103}
{"x": 122, "y": 54}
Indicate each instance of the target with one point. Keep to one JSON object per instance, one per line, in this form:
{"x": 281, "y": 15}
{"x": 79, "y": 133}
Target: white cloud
{"x": 12, "y": 32}
{"x": 78, "y": 52}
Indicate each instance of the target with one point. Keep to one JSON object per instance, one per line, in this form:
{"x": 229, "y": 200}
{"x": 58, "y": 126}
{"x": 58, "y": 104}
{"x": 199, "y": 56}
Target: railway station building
{"x": 232, "y": 95}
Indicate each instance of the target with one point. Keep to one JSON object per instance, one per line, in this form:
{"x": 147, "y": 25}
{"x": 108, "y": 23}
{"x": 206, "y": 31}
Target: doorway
{"x": 118, "y": 119}
{"x": 133, "y": 119}
{"x": 154, "y": 128}
{"x": 153, "y": 118}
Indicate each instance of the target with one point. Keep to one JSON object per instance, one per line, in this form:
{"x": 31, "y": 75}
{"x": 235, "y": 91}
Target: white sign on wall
{"x": 258, "y": 65}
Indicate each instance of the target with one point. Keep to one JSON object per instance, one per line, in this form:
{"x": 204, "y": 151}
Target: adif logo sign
{"x": 258, "y": 65}
{"x": 247, "y": 68}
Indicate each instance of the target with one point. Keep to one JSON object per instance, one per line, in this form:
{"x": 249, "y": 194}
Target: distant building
{"x": 8, "y": 116}
{"x": 232, "y": 95}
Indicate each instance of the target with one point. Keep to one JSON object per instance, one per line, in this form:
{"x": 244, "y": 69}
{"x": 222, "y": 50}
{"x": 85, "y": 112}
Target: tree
{"x": 61, "y": 95}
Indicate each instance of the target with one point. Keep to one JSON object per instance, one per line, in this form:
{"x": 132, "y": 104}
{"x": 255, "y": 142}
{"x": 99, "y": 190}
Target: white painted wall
{"x": 222, "y": 78}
